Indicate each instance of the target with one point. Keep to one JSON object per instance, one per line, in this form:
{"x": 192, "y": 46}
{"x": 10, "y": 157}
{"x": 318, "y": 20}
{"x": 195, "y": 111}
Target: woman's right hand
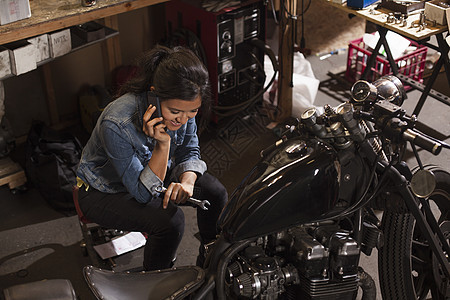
{"x": 152, "y": 129}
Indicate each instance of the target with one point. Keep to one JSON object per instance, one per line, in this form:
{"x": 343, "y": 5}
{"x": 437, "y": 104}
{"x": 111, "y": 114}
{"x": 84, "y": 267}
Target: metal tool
{"x": 423, "y": 22}
{"x": 201, "y": 203}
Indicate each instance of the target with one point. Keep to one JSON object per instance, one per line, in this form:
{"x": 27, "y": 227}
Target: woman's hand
{"x": 178, "y": 193}
{"x": 160, "y": 154}
{"x": 152, "y": 129}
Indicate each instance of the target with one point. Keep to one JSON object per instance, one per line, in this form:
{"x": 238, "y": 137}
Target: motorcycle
{"x": 333, "y": 188}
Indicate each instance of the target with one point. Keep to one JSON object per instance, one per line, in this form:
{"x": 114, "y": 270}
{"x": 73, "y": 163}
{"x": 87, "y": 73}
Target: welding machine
{"x": 229, "y": 41}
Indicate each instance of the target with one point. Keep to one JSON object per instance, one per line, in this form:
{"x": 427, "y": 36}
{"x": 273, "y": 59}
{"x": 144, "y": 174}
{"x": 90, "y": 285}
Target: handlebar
{"x": 378, "y": 104}
{"x": 391, "y": 119}
{"x": 422, "y": 141}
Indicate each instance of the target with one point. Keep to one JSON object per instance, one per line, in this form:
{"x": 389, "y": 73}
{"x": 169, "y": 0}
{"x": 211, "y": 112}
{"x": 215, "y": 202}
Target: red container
{"x": 411, "y": 64}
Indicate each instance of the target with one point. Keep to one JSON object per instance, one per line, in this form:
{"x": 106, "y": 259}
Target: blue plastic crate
{"x": 360, "y": 3}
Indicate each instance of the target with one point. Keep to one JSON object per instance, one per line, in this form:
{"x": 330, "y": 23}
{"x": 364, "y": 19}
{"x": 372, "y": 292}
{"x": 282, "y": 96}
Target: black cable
{"x": 243, "y": 105}
{"x": 274, "y": 13}
{"x": 195, "y": 44}
{"x": 416, "y": 154}
{"x": 293, "y": 33}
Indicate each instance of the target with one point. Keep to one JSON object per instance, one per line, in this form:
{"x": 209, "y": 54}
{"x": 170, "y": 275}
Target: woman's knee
{"x": 213, "y": 189}
{"x": 170, "y": 223}
{"x": 177, "y": 222}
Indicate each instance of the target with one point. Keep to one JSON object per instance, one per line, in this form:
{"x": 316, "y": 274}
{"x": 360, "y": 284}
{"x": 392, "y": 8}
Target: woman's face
{"x": 176, "y": 112}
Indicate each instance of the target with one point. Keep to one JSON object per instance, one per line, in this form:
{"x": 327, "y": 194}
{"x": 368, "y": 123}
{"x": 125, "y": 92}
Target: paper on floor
{"x": 121, "y": 245}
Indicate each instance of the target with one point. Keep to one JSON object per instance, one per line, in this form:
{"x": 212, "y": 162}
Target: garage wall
{"x": 25, "y": 98}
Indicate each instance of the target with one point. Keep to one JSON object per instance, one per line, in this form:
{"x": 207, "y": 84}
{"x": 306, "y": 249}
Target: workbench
{"x": 52, "y": 15}
{"x": 378, "y": 16}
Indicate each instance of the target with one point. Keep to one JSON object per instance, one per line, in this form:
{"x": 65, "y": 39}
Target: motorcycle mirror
{"x": 423, "y": 183}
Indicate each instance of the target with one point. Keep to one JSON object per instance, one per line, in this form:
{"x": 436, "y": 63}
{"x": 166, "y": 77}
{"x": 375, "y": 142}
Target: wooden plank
{"x": 20, "y": 181}
{"x": 7, "y": 167}
{"x": 16, "y": 180}
{"x": 50, "y": 93}
{"x": 51, "y": 15}
{"x": 286, "y": 50}
{"x": 284, "y": 106}
{"x": 112, "y": 55}
{"x": 11, "y": 173}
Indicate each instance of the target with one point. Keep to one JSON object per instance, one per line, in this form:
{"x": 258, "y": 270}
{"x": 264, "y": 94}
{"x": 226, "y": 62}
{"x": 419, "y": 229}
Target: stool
{"x": 94, "y": 234}
{"x": 91, "y": 231}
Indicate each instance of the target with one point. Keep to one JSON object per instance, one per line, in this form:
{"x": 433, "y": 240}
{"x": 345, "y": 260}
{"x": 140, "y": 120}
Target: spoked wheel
{"x": 407, "y": 267}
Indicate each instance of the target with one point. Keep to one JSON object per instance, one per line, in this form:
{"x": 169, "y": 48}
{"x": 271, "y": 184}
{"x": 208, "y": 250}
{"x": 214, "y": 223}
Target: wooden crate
{"x": 11, "y": 173}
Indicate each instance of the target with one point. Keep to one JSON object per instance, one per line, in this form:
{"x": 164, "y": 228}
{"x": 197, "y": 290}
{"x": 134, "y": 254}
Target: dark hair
{"x": 175, "y": 73}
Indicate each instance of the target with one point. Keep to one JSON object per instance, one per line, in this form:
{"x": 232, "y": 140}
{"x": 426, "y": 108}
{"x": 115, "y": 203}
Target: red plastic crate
{"x": 411, "y": 64}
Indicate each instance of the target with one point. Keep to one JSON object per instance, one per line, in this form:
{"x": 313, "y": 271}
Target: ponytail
{"x": 175, "y": 73}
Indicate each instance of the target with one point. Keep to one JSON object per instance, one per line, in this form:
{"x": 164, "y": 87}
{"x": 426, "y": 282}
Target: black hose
{"x": 367, "y": 285}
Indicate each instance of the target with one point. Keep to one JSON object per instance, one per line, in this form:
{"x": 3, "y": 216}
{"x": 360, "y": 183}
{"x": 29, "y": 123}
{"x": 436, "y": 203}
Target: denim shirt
{"x": 115, "y": 159}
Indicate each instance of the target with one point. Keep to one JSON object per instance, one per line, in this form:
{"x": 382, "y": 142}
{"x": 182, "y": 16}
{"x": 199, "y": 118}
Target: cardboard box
{"x": 90, "y": 31}
{"x": 60, "y": 42}
{"x": 448, "y": 24}
{"x": 42, "y": 47}
{"x": 23, "y": 57}
{"x": 436, "y": 10}
{"x": 14, "y": 10}
{"x": 5, "y": 62}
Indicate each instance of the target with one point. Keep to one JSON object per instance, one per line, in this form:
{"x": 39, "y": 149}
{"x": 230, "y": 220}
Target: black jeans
{"x": 165, "y": 227}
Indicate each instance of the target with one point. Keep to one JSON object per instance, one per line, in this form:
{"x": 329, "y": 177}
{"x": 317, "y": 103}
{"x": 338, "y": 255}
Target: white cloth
{"x": 305, "y": 83}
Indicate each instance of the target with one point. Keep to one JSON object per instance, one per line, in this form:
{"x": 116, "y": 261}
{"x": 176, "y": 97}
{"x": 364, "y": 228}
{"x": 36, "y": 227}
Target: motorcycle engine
{"x": 304, "y": 262}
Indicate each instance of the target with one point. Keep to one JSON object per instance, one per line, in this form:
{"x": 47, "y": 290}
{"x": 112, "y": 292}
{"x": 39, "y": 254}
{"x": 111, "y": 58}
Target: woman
{"x": 132, "y": 153}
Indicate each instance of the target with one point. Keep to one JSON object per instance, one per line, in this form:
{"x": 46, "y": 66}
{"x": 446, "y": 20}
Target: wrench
{"x": 201, "y": 203}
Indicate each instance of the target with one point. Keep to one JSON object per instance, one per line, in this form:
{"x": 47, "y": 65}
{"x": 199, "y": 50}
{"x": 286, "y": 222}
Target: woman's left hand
{"x": 178, "y": 193}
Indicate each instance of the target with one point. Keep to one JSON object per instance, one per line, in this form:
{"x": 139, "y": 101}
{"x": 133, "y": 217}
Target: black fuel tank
{"x": 296, "y": 183}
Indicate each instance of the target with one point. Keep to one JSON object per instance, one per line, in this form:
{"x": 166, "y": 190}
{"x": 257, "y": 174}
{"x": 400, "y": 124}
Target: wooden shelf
{"x": 77, "y": 44}
{"x": 51, "y": 15}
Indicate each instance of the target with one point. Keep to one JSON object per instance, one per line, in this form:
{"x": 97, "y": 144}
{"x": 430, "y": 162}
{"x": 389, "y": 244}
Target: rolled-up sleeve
{"x": 195, "y": 165}
{"x": 150, "y": 180}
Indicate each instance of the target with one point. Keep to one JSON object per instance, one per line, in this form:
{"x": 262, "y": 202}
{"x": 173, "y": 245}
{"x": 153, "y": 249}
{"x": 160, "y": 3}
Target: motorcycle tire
{"x": 407, "y": 268}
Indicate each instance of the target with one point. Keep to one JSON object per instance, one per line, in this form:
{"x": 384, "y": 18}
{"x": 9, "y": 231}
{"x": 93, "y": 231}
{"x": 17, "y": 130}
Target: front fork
{"x": 424, "y": 219}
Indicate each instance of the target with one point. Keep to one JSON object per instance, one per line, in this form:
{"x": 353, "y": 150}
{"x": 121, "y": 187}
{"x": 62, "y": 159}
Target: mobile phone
{"x": 154, "y": 100}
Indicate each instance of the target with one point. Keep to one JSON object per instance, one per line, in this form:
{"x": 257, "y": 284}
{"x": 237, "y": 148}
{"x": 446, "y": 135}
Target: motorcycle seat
{"x": 173, "y": 283}
{"x": 50, "y": 289}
